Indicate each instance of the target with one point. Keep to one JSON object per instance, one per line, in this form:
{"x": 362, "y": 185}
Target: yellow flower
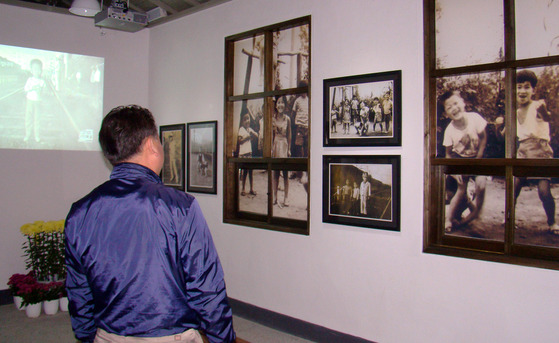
{"x": 30, "y": 229}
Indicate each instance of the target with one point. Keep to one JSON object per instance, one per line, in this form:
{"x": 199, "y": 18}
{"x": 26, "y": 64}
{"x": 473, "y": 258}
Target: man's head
{"x": 36, "y": 67}
{"x": 452, "y": 104}
{"x": 526, "y": 81}
{"x": 125, "y": 131}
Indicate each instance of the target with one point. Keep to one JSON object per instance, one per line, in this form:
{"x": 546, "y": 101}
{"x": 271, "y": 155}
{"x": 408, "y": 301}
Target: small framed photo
{"x": 362, "y": 191}
{"x": 363, "y": 110}
{"x": 202, "y": 157}
{"x": 172, "y": 139}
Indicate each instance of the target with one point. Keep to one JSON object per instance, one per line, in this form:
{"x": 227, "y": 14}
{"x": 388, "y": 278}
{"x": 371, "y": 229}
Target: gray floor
{"x": 16, "y": 327}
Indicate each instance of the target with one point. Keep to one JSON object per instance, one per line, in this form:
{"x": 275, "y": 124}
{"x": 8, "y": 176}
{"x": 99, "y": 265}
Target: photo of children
{"x": 471, "y": 107}
{"x": 533, "y": 130}
{"x": 366, "y": 190}
{"x": 362, "y": 113}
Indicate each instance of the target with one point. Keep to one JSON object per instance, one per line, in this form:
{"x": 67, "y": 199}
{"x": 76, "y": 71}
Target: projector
{"x": 119, "y": 19}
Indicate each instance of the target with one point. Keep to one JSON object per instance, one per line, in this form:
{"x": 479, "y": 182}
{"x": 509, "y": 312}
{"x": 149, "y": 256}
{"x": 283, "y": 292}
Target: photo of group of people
{"x": 360, "y": 190}
{"x": 471, "y": 124}
{"x": 290, "y": 139}
{"x": 362, "y": 110}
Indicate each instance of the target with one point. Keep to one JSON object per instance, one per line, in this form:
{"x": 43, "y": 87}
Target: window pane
{"x": 471, "y": 116}
{"x": 468, "y": 32}
{"x": 535, "y": 211}
{"x": 475, "y": 206}
{"x": 290, "y": 194}
{"x": 298, "y": 106}
{"x": 362, "y": 110}
{"x": 248, "y": 73}
{"x": 253, "y": 191}
{"x": 536, "y": 112}
{"x": 248, "y": 127}
{"x": 283, "y": 127}
{"x": 291, "y": 57}
{"x": 537, "y": 28}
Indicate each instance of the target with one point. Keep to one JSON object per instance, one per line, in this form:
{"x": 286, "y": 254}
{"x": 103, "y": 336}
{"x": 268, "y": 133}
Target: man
{"x": 140, "y": 258}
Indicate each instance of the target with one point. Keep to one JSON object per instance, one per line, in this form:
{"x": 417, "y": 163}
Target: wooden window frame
{"x": 232, "y": 163}
{"x": 435, "y": 240}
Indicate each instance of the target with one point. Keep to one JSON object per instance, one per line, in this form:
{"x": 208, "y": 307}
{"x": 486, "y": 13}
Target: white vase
{"x": 63, "y": 304}
{"x": 33, "y": 310}
{"x": 50, "y": 306}
{"x": 17, "y": 302}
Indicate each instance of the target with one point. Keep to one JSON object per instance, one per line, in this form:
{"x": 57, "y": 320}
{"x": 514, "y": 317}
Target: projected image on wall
{"x": 49, "y": 100}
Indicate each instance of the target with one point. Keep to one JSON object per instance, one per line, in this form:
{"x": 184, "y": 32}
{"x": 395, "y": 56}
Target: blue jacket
{"x": 141, "y": 261}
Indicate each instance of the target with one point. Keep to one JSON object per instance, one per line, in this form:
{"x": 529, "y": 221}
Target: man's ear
{"x": 152, "y": 144}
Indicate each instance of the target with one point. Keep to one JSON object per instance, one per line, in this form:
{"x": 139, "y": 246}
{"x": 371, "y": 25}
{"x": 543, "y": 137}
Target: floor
{"x": 16, "y": 327}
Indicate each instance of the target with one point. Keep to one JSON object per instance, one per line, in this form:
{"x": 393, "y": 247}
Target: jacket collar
{"x": 129, "y": 170}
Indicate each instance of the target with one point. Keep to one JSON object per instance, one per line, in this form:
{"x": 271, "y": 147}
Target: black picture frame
{"x": 377, "y": 130}
{"x": 172, "y": 173}
{"x": 202, "y": 157}
{"x": 381, "y": 210}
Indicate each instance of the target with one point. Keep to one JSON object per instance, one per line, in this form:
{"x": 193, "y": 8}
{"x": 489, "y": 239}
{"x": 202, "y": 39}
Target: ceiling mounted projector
{"x": 119, "y": 19}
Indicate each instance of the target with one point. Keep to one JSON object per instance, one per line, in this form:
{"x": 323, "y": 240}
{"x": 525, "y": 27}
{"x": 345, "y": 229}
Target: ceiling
{"x": 175, "y": 8}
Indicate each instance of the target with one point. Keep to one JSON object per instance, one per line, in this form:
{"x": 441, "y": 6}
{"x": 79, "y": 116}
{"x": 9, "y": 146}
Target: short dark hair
{"x": 444, "y": 97}
{"x": 123, "y": 131}
{"x": 37, "y": 62}
{"x": 527, "y": 75}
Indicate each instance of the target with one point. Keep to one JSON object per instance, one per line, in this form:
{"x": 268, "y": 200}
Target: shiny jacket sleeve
{"x": 205, "y": 281}
{"x": 79, "y": 294}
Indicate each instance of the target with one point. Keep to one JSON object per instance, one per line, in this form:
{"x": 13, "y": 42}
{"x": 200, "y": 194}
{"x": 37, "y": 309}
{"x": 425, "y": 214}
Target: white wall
{"x": 41, "y": 185}
{"x": 370, "y": 283}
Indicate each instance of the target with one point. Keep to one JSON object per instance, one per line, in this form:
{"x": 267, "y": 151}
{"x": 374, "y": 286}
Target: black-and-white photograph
{"x": 291, "y": 57}
{"x": 363, "y": 110}
{"x": 202, "y": 157}
{"x": 535, "y": 211}
{"x": 475, "y": 206}
{"x": 471, "y": 116}
{"x": 459, "y": 43}
{"x": 248, "y": 130}
{"x": 253, "y": 190}
{"x": 362, "y": 191}
{"x": 248, "y": 66}
{"x": 289, "y": 193}
{"x": 172, "y": 139}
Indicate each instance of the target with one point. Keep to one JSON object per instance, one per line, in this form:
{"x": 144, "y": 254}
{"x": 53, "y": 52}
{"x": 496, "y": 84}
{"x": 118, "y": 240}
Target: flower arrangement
{"x": 34, "y": 292}
{"x": 44, "y": 249}
{"x": 53, "y": 290}
{"x": 19, "y": 281}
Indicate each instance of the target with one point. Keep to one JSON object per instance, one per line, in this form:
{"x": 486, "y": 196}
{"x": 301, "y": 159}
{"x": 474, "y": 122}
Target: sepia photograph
{"x": 253, "y": 190}
{"x": 172, "y": 139}
{"x": 362, "y": 191}
{"x": 202, "y": 157}
{"x": 289, "y": 193}
{"x": 471, "y": 116}
{"x": 535, "y": 220}
{"x": 363, "y": 110}
{"x": 248, "y": 69}
{"x": 291, "y": 56}
{"x": 475, "y": 206}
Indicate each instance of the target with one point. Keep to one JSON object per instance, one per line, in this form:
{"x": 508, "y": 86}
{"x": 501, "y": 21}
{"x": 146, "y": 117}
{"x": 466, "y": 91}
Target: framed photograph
{"x": 363, "y": 110}
{"x": 202, "y": 157}
{"x": 362, "y": 191}
{"x": 172, "y": 139}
